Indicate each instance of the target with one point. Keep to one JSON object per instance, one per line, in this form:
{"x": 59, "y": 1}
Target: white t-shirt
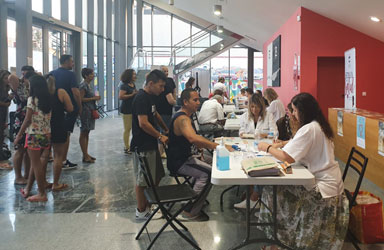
{"x": 210, "y": 112}
{"x": 219, "y": 85}
{"x": 276, "y": 107}
{"x": 314, "y": 150}
{"x": 247, "y": 126}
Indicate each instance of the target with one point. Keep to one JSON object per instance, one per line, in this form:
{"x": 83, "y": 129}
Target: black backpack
{"x": 5, "y": 153}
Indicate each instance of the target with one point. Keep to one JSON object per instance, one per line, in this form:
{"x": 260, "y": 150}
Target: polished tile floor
{"x": 97, "y": 211}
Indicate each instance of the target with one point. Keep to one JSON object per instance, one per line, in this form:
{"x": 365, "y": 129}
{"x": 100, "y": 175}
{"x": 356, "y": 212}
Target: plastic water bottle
{"x": 222, "y": 157}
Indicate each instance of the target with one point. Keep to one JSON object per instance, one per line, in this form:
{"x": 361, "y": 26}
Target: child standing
{"x": 38, "y": 131}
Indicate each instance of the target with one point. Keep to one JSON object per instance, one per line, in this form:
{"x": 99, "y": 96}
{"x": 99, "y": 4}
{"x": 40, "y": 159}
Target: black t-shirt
{"x": 126, "y": 105}
{"x": 66, "y": 79}
{"x": 162, "y": 105}
{"x": 143, "y": 105}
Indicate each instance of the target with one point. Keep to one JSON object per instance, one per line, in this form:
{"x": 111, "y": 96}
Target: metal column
{"x": 251, "y": 68}
{"x": 23, "y": 14}
{"x": 109, "y": 83}
{"x": 3, "y": 35}
{"x": 100, "y": 51}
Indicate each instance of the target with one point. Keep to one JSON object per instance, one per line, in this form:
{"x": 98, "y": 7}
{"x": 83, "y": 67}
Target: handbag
{"x": 95, "y": 114}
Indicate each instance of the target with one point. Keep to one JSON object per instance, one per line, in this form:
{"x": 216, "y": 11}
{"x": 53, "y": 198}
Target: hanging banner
{"x": 340, "y": 118}
{"x": 360, "y": 133}
{"x": 350, "y": 79}
{"x": 381, "y": 138}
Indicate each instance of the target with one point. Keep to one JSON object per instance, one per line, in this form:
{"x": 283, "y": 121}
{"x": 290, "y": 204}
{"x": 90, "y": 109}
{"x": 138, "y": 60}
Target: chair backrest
{"x": 195, "y": 121}
{"x": 357, "y": 162}
{"x": 144, "y": 166}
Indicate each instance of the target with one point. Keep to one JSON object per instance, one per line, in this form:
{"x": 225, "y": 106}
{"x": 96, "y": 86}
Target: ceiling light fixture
{"x": 220, "y": 28}
{"x": 217, "y": 10}
{"x": 375, "y": 19}
{"x": 171, "y": 2}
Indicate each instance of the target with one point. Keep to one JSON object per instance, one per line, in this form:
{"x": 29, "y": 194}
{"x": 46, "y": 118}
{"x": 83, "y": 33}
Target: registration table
{"x": 236, "y": 176}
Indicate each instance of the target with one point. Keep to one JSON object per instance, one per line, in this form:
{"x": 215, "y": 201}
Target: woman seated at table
{"x": 257, "y": 118}
{"x": 316, "y": 216}
{"x": 287, "y": 127}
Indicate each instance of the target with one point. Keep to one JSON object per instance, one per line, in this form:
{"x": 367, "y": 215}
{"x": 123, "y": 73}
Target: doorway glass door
{"x": 54, "y": 42}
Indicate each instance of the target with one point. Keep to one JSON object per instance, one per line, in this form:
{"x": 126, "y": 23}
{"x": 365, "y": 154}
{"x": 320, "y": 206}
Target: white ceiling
{"x": 259, "y": 19}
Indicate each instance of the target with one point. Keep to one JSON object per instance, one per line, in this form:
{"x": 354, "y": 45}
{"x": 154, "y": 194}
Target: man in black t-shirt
{"x": 145, "y": 136}
{"x": 167, "y": 99}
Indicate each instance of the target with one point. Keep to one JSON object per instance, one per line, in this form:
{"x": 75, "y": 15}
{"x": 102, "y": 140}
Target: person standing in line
{"x": 37, "y": 127}
{"x": 5, "y": 101}
{"x": 276, "y": 107}
{"x": 164, "y": 104}
{"x": 66, "y": 79}
{"x": 145, "y": 137}
{"x": 88, "y": 99}
{"x": 20, "y": 87}
{"x": 127, "y": 93}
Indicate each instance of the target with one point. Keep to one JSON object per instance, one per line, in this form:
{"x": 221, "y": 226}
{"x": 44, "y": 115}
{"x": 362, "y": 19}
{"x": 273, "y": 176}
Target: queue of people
{"x": 47, "y": 110}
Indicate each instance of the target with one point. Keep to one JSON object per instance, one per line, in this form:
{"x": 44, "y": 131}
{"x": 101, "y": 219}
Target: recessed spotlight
{"x": 375, "y": 19}
{"x": 217, "y": 10}
{"x": 220, "y": 28}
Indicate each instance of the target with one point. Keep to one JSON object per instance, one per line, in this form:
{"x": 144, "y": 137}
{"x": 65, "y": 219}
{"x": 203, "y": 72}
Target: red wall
{"x": 322, "y": 36}
{"x": 318, "y": 36}
{"x": 290, "y": 44}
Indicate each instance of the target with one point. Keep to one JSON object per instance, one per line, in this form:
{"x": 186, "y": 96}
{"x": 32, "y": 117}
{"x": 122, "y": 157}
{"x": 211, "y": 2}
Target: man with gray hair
{"x": 211, "y": 116}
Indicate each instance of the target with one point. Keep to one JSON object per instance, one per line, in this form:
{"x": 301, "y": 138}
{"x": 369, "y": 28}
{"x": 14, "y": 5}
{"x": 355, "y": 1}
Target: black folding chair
{"x": 357, "y": 162}
{"x": 162, "y": 195}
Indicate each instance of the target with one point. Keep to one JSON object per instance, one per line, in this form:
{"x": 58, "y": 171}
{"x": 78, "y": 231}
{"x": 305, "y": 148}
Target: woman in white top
{"x": 316, "y": 216}
{"x": 276, "y": 107}
{"x": 257, "y": 117}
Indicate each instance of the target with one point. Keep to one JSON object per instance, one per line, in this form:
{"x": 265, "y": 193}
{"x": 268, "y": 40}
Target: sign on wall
{"x": 350, "y": 79}
{"x": 274, "y": 62}
{"x": 360, "y": 131}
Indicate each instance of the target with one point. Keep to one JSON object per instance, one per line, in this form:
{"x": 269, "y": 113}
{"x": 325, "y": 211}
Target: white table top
{"x": 232, "y": 124}
{"x": 229, "y": 108}
{"x": 236, "y": 176}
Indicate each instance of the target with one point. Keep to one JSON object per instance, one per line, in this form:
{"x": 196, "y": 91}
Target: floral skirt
{"x": 37, "y": 142}
{"x": 305, "y": 219}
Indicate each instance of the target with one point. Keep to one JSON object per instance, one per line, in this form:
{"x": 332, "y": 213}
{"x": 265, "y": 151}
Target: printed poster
{"x": 269, "y": 65}
{"x": 350, "y": 79}
{"x": 360, "y": 133}
{"x": 381, "y": 138}
{"x": 340, "y": 118}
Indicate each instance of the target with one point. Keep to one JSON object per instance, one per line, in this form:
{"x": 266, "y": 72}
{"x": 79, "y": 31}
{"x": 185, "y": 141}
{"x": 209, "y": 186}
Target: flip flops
{"x": 37, "y": 198}
{"x": 23, "y": 193}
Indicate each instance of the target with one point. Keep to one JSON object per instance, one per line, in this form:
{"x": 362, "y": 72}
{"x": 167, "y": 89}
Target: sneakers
{"x": 143, "y": 215}
{"x": 202, "y": 216}
{"x": 68, "y": 165}
{"x": 243, "y": 204}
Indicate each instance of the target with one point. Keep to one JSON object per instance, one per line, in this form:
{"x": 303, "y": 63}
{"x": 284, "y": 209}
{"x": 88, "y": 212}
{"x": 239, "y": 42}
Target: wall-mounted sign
{"x": 350, "y": 79}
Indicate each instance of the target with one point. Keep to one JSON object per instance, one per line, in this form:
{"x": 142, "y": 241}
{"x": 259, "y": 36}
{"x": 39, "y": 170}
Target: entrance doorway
{"x": 330, "y": 83}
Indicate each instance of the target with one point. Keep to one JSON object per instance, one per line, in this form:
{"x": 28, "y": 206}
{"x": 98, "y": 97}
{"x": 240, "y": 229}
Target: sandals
{"x": 61, "y": 187}
{"x": 5, "y": 166}
{"x": 88, "y": 161}
{"x": 24, "y": 193}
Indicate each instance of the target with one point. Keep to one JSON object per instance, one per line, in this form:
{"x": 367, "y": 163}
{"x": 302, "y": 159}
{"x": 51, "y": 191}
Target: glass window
{"x": 238, "y": 70}
{"x": 113, "y": 20}
{"x": 215, "y": 39}
{"x": 161, "y": 55}
{"x": 161, "y": 28}
{"x": 85, "y": 50}
{"x": 85, "y": 14}
{"x": 37, "y": 5}
{"x": 71, "y": 12}
{"x": 180, "y": 31}
{"x": 95, "y": 8}
{"x": 258, "y": 70}
{"x": 11, "y": 38}
{"x": 146, "y": 57}
{"x": 200, "y": 38}
{"x": 54, "y": 40}
{"x": 147, "y": 27}
{"x": 220, "y": 67}
{"x": 56, "y": 9}
{"x": 37, "y": 48}
{"x": 95, "y": 61}
{"x": 105, "y": 70}
{"x": 134, "y": 23}
{"x": 105, "y": 17}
